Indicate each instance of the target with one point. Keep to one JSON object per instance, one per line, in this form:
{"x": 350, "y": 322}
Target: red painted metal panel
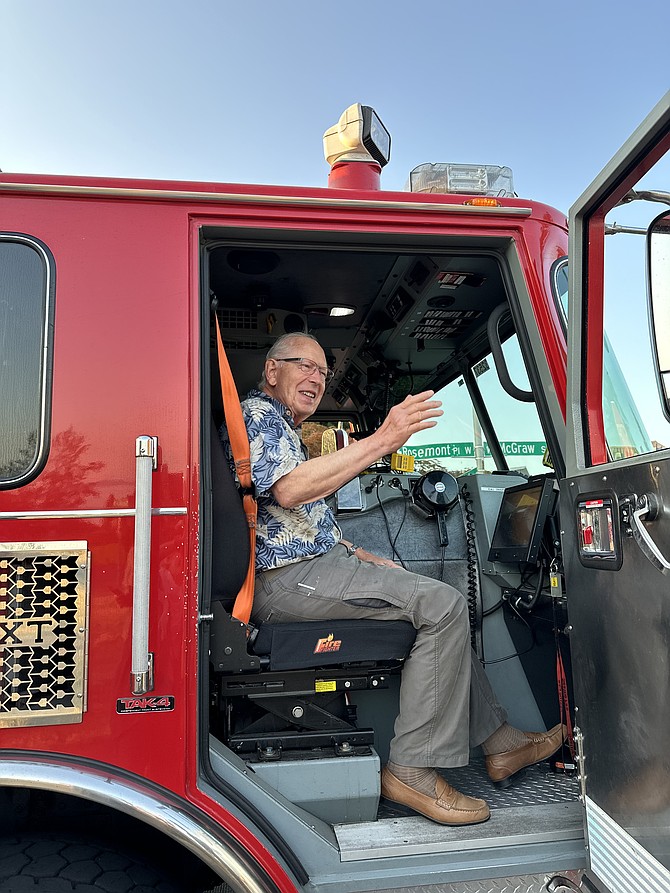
{"x": 595, "y": 322}
{"x": 126, "y": 361}
{"x": 121, "y": 369}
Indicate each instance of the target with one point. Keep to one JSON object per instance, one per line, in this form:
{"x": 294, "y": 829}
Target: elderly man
{"x": 306, "y": 571}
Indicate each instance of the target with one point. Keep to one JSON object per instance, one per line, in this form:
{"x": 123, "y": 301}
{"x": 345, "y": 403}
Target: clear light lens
{"x": 472, "y": 179}
{"x": 380, "y": 136}
{"x": 342, "y": 311}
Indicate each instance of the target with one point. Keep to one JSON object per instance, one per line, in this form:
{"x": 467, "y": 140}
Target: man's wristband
{"x": 351, "y": 549}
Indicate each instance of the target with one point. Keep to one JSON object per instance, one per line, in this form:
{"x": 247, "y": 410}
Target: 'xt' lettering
{"x": 9, "y": 631}
{"x": 10, "y": 637}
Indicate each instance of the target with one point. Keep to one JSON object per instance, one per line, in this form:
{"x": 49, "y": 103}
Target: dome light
{"x": 329, "y": 309}
{"x": 342, "y": 311}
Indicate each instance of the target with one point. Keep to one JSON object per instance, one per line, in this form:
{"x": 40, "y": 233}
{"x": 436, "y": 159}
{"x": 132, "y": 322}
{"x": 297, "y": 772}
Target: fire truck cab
{"x": 149, "y": 739}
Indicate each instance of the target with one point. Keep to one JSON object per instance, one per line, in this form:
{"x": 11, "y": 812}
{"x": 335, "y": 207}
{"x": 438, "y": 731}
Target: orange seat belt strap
{"x": 564, "y": 702}
{"x": 239, "y": 444}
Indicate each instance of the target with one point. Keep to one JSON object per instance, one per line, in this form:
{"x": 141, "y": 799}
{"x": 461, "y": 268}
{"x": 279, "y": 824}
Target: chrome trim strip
{"x": 93, "y": 513}
{"x": 46, "y": 345}
{"x": 307, "y": 201}
{"x": 177, "y": 820}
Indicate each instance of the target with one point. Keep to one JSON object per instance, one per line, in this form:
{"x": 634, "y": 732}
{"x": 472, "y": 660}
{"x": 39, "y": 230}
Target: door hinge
{"x": 580, "y": 758}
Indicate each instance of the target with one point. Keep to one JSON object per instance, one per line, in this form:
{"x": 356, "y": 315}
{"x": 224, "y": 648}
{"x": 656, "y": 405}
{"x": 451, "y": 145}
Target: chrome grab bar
{"x": 146, "y": 462}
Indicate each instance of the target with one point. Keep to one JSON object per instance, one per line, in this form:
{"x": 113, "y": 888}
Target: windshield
{"x": 457, "y": 443}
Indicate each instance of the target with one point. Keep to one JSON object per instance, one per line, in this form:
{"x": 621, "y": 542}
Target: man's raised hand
{"x": 417, "y": 412}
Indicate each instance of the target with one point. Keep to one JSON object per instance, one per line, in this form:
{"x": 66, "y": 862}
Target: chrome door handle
{"x": 647, "y": 505}
{"x": 141, "y": 673}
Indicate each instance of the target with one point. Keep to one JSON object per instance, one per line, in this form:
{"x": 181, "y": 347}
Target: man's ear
{"x": 271, "y": 372}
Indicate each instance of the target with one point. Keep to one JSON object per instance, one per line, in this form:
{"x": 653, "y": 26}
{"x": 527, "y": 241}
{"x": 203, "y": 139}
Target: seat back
{"x": 230, "y": 533}
{"x": 284, "y": 646}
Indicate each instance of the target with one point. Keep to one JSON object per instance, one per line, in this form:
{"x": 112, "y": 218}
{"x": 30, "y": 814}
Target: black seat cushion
{"x": 298, "y": 646}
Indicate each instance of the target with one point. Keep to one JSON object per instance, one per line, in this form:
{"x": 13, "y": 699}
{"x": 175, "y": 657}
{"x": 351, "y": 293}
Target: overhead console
{"x": 389, "y": 320}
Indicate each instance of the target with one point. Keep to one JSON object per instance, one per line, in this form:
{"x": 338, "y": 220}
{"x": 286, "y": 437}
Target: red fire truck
{"x": 148, "y": 742}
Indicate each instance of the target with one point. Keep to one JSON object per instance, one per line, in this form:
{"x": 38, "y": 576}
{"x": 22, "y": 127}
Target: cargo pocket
{"x": 375, "y": 586}
{"x": 327, "y": 577}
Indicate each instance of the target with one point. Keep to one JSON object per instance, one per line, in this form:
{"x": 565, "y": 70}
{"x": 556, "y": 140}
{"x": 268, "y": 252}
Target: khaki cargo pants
{"x": 447, "y": 705}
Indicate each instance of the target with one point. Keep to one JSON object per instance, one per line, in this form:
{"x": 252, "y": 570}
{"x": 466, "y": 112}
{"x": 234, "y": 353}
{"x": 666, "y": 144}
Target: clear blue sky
{"x": 242, "y": 92}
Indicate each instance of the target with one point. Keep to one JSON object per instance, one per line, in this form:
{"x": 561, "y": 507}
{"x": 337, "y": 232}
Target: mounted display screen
{"x": 521, "y": 521}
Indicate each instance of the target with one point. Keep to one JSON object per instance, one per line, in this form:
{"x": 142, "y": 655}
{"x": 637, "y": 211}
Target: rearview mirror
{"x": 658, "y": 259}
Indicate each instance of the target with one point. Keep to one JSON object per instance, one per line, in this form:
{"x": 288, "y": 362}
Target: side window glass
{"x": 560, "y": 286}
{"x": 625, "y": 431}
{"x": 26, "y": 277}
{"x": 633, "y": 417}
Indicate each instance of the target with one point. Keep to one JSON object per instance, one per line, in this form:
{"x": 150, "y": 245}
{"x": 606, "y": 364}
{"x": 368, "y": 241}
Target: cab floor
{"x": 539, "y": 807}
{"x": 535, "y": 786}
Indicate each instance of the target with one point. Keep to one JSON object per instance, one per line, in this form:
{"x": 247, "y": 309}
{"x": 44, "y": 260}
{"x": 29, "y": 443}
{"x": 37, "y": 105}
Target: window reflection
{"x": 24, "y": 310}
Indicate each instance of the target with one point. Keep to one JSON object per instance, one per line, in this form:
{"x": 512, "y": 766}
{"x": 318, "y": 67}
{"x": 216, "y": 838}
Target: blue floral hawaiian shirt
{"x": 283, "y": 535}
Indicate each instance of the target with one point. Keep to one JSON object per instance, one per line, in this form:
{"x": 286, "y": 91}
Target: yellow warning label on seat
{"x": 325, "y": 685}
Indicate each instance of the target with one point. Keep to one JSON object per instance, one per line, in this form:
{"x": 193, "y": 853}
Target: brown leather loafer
{"x": 541, "y": 745}
{"x": 448, "y": 807}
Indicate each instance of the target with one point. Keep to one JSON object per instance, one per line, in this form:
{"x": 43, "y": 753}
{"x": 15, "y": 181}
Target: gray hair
{"x": 280, "y": 345}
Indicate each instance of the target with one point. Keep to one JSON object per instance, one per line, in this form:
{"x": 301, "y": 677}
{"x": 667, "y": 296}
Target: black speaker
{"x": 434, "y": 494}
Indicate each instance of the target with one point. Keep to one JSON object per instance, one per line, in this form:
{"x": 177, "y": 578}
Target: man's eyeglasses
{"x": 309, "y": 367}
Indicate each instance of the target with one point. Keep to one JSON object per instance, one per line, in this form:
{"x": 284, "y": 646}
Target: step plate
{"x": 527, "y": 883}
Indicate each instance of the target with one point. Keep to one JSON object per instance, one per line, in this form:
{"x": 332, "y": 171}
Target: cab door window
{"x": 625, "y": 431}
{"x": 26, "y": 306}
{"x": 632, "y": 410}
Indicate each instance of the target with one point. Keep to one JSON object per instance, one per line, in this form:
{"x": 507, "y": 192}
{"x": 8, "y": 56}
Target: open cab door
{"x": 615, "y": 508}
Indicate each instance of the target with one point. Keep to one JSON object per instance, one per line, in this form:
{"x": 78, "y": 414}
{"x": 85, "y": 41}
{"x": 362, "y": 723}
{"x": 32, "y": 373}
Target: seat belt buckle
{"x": 248, "y": 491}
